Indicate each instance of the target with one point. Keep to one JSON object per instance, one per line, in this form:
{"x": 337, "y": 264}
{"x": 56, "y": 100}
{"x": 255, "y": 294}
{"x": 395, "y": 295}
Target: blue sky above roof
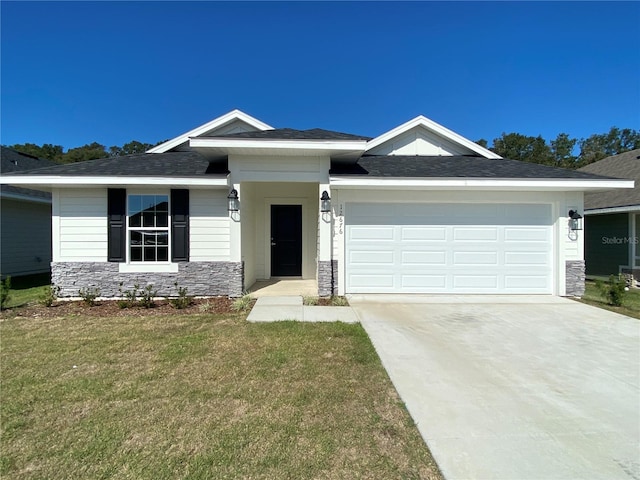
{"x": 77, "y": 72}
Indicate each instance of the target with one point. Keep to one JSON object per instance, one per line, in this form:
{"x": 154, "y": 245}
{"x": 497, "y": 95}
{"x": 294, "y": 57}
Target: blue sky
{"x": 77, "y": 72}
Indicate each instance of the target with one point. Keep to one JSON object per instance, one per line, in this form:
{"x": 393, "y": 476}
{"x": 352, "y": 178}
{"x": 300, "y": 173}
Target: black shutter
{"x": 179, "y": 225}
{"x": 116, "y": 213}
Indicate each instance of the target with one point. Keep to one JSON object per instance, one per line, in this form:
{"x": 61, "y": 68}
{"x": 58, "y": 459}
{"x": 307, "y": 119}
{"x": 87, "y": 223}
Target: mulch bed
{"x": 110, "y": 308}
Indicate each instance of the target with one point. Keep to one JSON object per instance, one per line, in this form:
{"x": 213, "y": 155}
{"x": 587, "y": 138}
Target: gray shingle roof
{"x": 624, "y": 165}
{"x": 170, "y": 164}
{"x": 456, "y": 166}
{"x": 292, "y": 134}
{"x": 13, "y": 161}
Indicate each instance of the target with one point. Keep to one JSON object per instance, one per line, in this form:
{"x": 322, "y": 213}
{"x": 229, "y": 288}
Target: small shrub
{"x": 242, "y": 303}
{"x": 338, "y": 301}
{"x": 89, "y": 295}
{"x": 147, "y": 297}
{"x": 310, "y": 301}
{"x": 129, "y": 297}
{"x": 614, "y": 290}
{"x": 49, "y": 296}
{"x": 182, "y": 300}
{"x": 205, "y": 307}
{"x": 5, "y": 286}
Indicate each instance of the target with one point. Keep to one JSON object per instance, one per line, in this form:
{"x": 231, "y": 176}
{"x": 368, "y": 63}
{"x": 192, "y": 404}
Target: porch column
{"x": 327, "y": 274}
{"x": 236, "y": 267}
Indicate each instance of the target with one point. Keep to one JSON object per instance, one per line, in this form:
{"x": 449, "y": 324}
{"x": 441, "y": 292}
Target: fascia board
{"x": 625, "y": 209}
{"x": 262, "y": 144}
{"x": 215, "y": 123}
{"x": 434, "y": 127}
{"x": 480, "y": 183}
{"x": 24, "y": 198}
{"x": 79, "y": 182}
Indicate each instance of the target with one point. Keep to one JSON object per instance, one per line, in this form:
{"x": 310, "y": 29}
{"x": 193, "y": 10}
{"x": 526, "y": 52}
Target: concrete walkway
{"x": 514, "y": 387}
{"x": 273, "y": 309}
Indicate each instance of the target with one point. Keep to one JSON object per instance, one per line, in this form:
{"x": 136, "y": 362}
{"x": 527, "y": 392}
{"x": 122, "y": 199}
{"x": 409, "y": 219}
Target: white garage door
{"x": 449, "y": 248}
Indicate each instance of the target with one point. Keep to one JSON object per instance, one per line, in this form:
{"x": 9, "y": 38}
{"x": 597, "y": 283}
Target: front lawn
{"x": 630, "y": 306}
{"x": 194, "y": 396}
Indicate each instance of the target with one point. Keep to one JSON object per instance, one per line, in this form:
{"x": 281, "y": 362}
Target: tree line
{"x": 90, "y": 151}
{"x": 559, "y": 152}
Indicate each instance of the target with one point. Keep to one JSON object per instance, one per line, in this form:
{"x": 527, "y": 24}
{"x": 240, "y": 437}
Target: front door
{"x": 286, "y": 240}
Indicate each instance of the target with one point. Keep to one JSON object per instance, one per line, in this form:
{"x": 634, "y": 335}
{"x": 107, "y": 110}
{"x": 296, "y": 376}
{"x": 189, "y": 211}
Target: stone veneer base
{"x": 575, "y": 278}
{"x": 327, "y": 278}
{"x": 207, "y": 279}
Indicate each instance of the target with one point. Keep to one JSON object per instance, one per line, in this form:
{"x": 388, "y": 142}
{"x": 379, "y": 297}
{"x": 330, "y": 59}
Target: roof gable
{"x": 623, "y": 165}
{"x": 228, "y": 124}
{"x": 422, "y": 136}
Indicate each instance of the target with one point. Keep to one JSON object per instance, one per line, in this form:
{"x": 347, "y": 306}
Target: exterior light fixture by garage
{"x": 234, "y": 202}
{"x": 325, "y": 202}
{"x": 575, "y": 221}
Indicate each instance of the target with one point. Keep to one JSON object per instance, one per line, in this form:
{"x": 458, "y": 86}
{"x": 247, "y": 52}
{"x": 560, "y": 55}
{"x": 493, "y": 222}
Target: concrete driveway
{"x": 514, "y": 387}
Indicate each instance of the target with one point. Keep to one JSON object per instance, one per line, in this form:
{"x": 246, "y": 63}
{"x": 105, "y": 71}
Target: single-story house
{"x": 418, "y": 209}
{"x": 25, "y": 220}
{"x": 612, "y": 219}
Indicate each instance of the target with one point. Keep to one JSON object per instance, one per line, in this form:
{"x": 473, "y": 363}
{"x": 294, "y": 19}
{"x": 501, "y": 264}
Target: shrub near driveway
{"x": 199, "y": 396}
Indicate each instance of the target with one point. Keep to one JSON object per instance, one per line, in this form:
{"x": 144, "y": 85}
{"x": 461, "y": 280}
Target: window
{"x": 148, "y": 228}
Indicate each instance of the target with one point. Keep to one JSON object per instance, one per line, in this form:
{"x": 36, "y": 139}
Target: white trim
{"x": 215, "y": 123}
{"x": 597, "y": 211}
{"x": 269, "y": 144}
{"x": 434, "y": 127}
{"x": 24, "y": 198}
{"x": 479, "y": 183}
{"x": 84, "y": 181}
{"x": 142, "y": 267}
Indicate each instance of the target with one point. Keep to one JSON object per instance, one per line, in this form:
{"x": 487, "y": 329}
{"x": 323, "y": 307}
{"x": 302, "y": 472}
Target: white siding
{"x": 208, "y": 226}
{"x": 25, "y": 237}
{"x": 80, "y": 225}
{"x": 279, "y": 169}
{"x": 419, "y": 141}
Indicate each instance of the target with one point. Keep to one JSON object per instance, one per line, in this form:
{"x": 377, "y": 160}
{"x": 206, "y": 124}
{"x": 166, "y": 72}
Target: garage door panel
{"x": 423, "y": 281}
{"x": 372, "y": 232}
{"x": 424, "y": 258}
{"x": 531, "y": 234}
{"x": 423, "y": 233}
{"x": 449, "y": 248}
{"x": 475, "y": 234}
{"x": 372, "y": 257}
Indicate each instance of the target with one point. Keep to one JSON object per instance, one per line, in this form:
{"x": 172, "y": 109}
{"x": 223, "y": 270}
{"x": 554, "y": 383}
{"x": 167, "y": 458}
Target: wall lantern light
{"x": 234, "y": 202}
{"x": 575, "y": 221}
{"x": 325, "y": 202}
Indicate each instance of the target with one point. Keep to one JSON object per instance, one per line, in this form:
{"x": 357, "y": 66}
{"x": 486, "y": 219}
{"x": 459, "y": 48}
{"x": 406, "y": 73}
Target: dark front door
{"x": 286, "y": 240}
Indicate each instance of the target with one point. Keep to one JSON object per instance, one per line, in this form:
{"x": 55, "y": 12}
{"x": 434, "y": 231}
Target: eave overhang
{"x": 621, "y": 209}
{"x": 48, "y": 182}
{"x": 505, "y": 184}
{"x": 212, "y": 146}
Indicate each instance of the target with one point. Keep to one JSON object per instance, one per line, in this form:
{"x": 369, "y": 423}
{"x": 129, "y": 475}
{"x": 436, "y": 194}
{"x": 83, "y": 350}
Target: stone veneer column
{"x": 327, "y": 278}
{"x": 206, "y": 279}
{"x": 575, "y": 278}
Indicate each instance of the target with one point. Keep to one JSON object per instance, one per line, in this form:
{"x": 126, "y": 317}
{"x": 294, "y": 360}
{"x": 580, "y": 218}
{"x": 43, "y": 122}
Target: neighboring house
{"x": 612, "y": 223}
{"x": 25, "y": 220}
{"x": 418, "y": 209}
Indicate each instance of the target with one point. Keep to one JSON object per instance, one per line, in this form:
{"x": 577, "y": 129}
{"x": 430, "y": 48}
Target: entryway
{"x": 286, "y": 240}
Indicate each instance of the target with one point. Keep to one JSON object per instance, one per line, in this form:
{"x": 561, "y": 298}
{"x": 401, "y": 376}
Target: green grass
{"x": 630, "y": 306}
{"x": 27, "y": 289}
{"x": 199, "y": 397}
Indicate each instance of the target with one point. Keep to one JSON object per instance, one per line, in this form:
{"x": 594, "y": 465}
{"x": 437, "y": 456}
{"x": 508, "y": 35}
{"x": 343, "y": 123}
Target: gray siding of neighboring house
{"x": 606, "y": 243}
{"x": 25, "y": 237}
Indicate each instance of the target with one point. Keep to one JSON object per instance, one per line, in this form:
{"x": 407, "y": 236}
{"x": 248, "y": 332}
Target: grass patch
{"x": 630, "y": 306}
{"x": 27, "y": 290}
{"x": 199, "y": 396}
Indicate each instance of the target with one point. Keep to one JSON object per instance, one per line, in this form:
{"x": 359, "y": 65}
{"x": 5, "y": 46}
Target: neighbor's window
{"x": 148, "y": 228}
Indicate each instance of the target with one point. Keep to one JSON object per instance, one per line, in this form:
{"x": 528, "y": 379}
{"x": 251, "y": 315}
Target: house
{"x": 418, "y": 209}
{"x": 25, "y": 220}
{"x": 612, "y": 219}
